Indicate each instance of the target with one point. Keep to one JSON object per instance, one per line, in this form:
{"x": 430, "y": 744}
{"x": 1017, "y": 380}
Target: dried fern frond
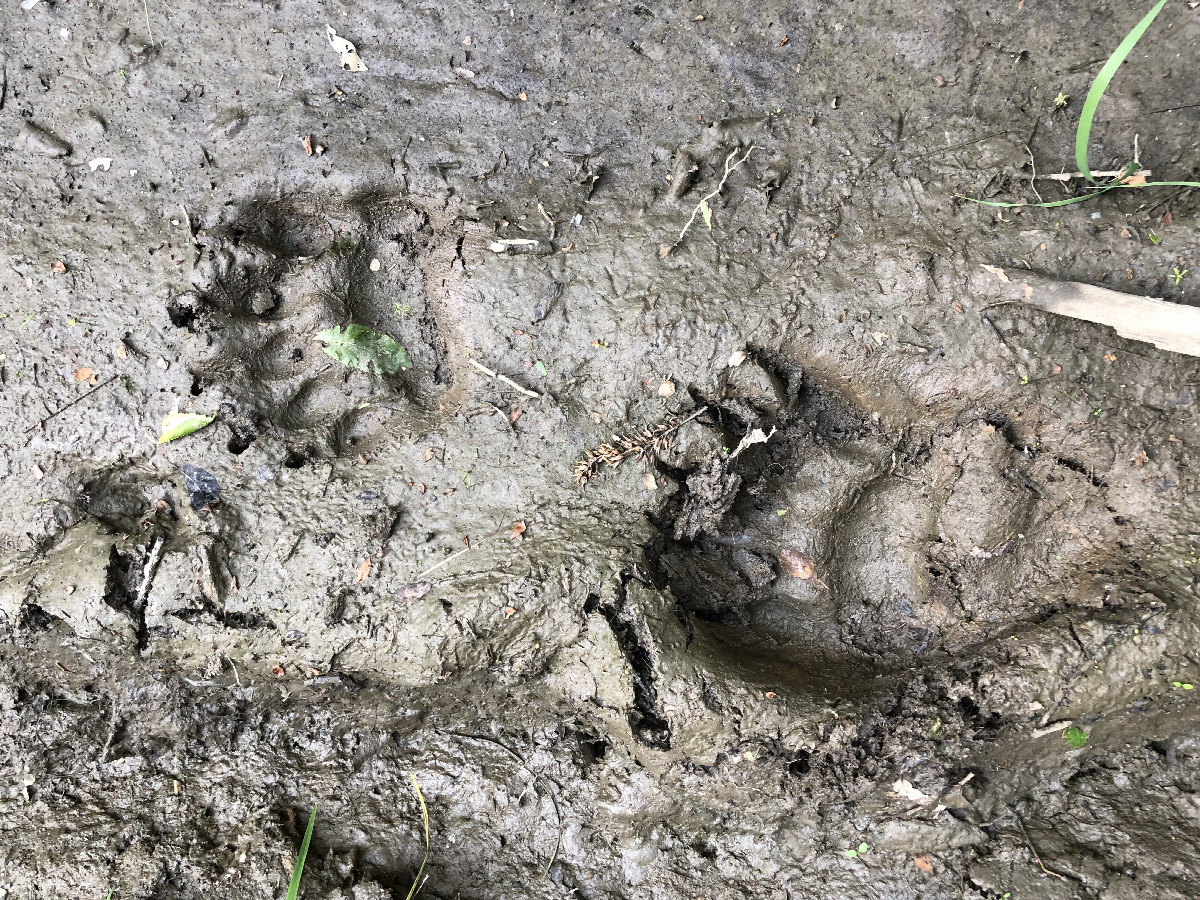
{"x": 642, "y": 445}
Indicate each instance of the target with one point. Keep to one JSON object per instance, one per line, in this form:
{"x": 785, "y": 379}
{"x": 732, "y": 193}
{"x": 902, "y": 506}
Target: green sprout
{"x": 1075, "y": 737}
{"x": 1083, "y": 131}
{"x": 1155, "y": 239}
{"x": 1178, "y": 275}
{"x": 1060, "y": 102}
{"x": 861, "y": 848}
{"x": 293, "y": 890}
{"x": 1182, "y": 684}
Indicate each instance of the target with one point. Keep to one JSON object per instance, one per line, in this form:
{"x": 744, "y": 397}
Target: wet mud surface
{"x": 879, "y": 539}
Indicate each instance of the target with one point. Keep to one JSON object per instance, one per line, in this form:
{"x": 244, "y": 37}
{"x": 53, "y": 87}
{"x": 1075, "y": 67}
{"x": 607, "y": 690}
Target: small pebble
{"x": 374, "y": 265}
{"x": 666, "y": 389}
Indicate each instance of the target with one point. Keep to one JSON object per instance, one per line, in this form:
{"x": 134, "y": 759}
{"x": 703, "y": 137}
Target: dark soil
{"x": 324, "y": 591}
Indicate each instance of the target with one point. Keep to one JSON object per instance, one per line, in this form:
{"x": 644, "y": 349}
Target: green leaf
{"x": 541, "y": 368}
{"x": 294, "y": 884}
{"x": 359, "y": 348}
{"x": 1092, "y": 101}
{"x": 1075, "y": 737}
{"x": 177, "y": 425}
{"x": 863, "y": 848}
{"x": 851, "y": 853}
{"x": 706, "y": 213}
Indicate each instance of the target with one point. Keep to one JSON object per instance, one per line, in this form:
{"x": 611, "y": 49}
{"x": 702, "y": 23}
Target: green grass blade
{"x": 425, "y": 815}
{"x": 294, "y": 884}
{"x": 1084, "y": 131}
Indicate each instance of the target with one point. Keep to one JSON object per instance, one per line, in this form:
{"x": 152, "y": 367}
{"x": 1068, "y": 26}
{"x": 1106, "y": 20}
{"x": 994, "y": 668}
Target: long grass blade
{"x": 1092, "y": 101}
{"x": 424, "y": 815}
{"x": 294, "y": 885}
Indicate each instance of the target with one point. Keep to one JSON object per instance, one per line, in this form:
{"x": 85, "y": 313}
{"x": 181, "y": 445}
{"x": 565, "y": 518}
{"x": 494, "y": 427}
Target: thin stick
{"x": 1067, "y": 176}
{"x": 448, "y": 559}
{"x": 82, "y": 396}
{"x": 1033, "y": 175}
{"x": 146, "y": 7}
{"x": 729, "y": 170}
{"x": 536, "y": 778}
{"x": 512, "y": 384}
{"x": 1032, "y": 848}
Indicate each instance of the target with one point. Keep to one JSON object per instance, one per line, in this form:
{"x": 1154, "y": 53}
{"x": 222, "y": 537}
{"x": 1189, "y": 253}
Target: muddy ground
{"x": 634, "y": 696}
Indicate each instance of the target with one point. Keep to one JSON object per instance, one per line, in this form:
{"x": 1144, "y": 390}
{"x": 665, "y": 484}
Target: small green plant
{"x": 1155, "y": 239}
{"x": 1075, "y": 737}
{"x": 401, "y": 309}
{"x": 1178, "y": 275}
{"x": 855, "y": 851}
{"x": 361, "y": 348}
{"x": 1183, "y": 685}
{"x": 1083, "y": 131}
{"x": 293, "y": 890}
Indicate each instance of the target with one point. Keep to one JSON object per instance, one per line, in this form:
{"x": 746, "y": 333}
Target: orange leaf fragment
{"x": 83, "y": 373}
{"x": 518, "y": 529}
{"x": 364, "y": 569}
{"x": 923, "y": 863}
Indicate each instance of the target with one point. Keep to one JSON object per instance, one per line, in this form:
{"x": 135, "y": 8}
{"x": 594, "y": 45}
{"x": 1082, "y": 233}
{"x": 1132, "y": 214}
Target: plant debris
{"x": 649, "y": 441}
{"x": 360, "y": 348}
{"x": 177, "y": 425}
{"x": 350, "y": 60}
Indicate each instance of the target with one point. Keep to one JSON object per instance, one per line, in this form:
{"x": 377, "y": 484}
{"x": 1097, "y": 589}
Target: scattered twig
{"x": 148, "y": 571}
{"x": 67, "y": 406}
{"x": 1116, "y": 173}
{"x": 512, "y": 384}
{"x": 729, "y": 170}
{"x": 642, "y": 445}
{"x": 450, "y": 558}
{"x": 536, "y": 778}
{"x": 1033, "y": 849}
{"x": 1033, "y": 175}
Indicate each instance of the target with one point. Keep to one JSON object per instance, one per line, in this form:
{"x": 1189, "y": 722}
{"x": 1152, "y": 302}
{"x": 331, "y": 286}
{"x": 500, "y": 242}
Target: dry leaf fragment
{"x": 421, "y": 487}
{"x": 666, "y": 389}
{"x": 958, "y": 307}
{"x": 364, "y": 569}
{"x": 1055, "y": 369}
{"x": 770, "y": 695}
{"x": 514, "y": 415}
{"x": 119, "y": 350}
{"x": 1110, "y": 357}
{"x": 905, "y": 790}
{"x": 414, "y": 591}
{"x": 37, "y": 472}
{"x": 58, "y": 267}
{"x": 1139, "y": 459}
{"x": 518, "y": 529}
{"x": 465, "y": 73}
{"x": 83, "y": 373}
{"x": 736, "y": 358}
{"x": 997, "y": 271}
{"x": 649, "y": 482}
{"x": 428, "y": 454}
{"x": 508, "y": 611}
{"x": 664, "y": 251}
{"x": 277, "y": 670}
{"x": 307, "y": 142}
{"x": 350, "y": 60}
{"x": 923, "y": 863}
{"x": 1173, "y": 439}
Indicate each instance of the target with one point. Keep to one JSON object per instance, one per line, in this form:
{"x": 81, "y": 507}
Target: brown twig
{"x": 64, "y": 408}
{"x": 642, "y": 445}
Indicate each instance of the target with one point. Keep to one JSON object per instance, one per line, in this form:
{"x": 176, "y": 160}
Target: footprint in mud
{"x": 267, "y": 281}
{"x": 913, "y": 548}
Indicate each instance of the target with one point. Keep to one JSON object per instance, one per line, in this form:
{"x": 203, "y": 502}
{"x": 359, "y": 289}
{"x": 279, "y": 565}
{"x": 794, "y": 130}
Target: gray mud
{"x": 631, "y": 698}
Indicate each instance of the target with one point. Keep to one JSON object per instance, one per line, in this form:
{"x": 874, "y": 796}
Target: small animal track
{"x": 267, "y": 281}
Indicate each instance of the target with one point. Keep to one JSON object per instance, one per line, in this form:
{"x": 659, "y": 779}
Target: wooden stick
{"x": 512, "y": 384}
{"x": 67, "y": 406}
{"x": 1168, "y": 326}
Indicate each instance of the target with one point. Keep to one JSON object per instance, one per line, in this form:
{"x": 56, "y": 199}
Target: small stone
{"x": 374, "y": 265}
{"x": 666, "y": 389}
{"x": 43, "y": 141}
{"x": 649, "y": 482}
{"x": 58, "y": 267}
{"x": 736, "y": 358}
{"x": 162, "y": 364}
